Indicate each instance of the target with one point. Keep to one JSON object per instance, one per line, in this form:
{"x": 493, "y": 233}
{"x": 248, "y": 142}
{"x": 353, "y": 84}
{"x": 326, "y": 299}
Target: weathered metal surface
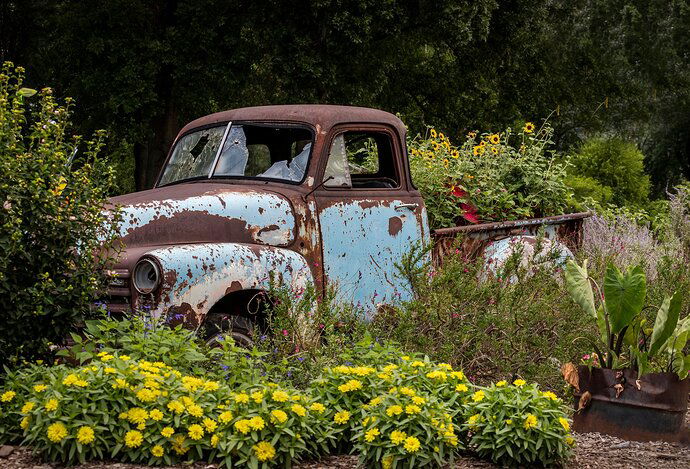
{"x": 196, "y": 276}
{"x": 362, "y": 241}
{"x": 476, "y": 240}
{"x": 206, "y": 212}
{"x": 654, "y": 411}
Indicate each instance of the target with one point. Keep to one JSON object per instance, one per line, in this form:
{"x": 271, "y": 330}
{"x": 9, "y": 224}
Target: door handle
{"x": 412, "y": 206}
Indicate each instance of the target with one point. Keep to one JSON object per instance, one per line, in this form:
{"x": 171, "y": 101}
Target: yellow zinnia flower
{"x": 317, "y": 407}
{"x": 398, "y": 437}
{"x": 157, "y": 451}
{"x": 341, "y": 417}
{"x": 478, "y": 396}
{"x": 371, "y": 434}
{"x": 264, "y": 451}
{"x": 195, "y": 432}
{"x": 57, "y": 432}
{"x": 564, "y": 423}
{"x": 279, "y": 416}
{"x": 85, "y": 435}
{"x": 519, "y": 382}
{"x": 411, "y": 444}
{"x": 167, "y": 432}
{"x": 530, "y": 421}
{"x": 133, "y": 439}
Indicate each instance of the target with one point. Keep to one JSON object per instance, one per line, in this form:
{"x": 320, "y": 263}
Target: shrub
{"x": 490, "y": 177}
{"x": 516, "y": 320}
{"x": 52, "y": 222}
{"x": 149, "y": 412}
{"x": 143, "y": 337}
{"x": 518, "y": 425}
{"x": 587, "y": 192}
{"x": 405, "y": 428}
{"x": 615, "y": 164}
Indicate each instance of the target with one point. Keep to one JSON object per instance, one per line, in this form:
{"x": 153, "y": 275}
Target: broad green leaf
{"x": 579, "y": 288}
{"x": 624, "y": 295}
{"x": 665, "y": 323}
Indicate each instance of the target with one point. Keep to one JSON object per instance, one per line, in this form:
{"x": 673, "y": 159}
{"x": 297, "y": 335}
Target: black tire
{"x": 221, "y": 326}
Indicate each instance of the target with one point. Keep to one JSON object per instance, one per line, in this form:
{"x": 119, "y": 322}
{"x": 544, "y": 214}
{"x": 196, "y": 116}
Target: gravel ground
{"x": 592, "y": 451}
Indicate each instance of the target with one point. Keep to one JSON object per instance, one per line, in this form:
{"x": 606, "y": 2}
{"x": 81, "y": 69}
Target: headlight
{"x": 146, "y": 276}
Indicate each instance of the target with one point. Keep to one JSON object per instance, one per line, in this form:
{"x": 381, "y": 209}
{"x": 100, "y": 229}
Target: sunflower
{"x": 495, "y": 139}
{"x": 528, "y": 128}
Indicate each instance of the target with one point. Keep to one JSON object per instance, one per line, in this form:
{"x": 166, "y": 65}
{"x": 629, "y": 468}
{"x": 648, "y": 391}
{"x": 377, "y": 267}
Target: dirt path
{"x": 593, "y": 451}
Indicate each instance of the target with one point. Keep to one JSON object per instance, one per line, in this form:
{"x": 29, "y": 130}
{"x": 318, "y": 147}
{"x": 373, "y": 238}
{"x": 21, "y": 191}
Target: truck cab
{"x": 301, "y": 194}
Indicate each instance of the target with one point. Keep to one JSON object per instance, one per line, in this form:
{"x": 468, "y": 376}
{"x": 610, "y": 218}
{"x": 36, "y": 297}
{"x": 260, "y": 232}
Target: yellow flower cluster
{"x": 351, "y": 385}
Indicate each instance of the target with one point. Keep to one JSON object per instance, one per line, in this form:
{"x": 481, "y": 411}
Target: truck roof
{"x": 321, "y": 116}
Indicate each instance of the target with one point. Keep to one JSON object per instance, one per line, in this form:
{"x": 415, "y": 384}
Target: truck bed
{"x": 566, "y": 229}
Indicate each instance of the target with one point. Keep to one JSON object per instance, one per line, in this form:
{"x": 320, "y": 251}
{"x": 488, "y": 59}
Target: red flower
{"x": 458, "y": 192}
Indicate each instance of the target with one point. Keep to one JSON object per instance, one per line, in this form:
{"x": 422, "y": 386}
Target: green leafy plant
{"x": 516, "y": 424}
{"x": 488, "y": 177}
{"x": 618, "y": 312}
{"x": 141, "y": 336}
{"x": 54, "y": 230}
{"x": 406, "y": 428}
{"x": 616, "y": 165}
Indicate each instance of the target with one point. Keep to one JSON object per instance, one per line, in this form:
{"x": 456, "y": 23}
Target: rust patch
{"x": 394, "y": 225}
{"x": 234, "y": 286}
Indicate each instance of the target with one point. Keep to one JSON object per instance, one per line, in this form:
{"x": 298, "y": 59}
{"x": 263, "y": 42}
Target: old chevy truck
{"x": 284, "y": 191}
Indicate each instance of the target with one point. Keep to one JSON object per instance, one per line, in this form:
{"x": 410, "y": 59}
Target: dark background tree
{"x": 141, "y": 69}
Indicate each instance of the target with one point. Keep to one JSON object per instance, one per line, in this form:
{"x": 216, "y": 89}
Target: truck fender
{"x": 197, "y": 276}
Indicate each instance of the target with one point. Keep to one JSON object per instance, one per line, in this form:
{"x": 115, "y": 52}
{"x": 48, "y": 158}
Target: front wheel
{"x": 221, "y": 326}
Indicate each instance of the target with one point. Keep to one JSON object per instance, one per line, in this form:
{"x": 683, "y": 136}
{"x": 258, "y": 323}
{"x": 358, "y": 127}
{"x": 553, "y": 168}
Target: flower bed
{"x": 489, "y": 177}
{"x": 394, "y": 412}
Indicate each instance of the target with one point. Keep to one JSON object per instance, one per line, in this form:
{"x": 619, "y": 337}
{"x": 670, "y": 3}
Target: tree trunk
{"x": 150, "y": 155}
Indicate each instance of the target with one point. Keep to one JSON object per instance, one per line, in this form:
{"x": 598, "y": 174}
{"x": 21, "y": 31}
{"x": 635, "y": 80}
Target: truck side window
{"x": 361, "y": 160}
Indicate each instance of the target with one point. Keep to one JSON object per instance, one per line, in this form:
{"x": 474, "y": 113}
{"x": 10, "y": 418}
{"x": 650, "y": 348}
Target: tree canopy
{"x": 141, "y": 69}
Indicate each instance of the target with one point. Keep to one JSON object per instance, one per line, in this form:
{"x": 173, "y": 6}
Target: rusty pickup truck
{"x": 284, "y": 192}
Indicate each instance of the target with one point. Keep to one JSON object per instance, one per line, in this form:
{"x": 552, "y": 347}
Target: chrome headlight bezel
{"x": 146, "y": 276}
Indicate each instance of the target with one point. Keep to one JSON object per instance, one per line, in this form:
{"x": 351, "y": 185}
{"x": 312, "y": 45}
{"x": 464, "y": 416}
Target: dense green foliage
{"x": 143, "y": 69}
{"x": 52, "y": 224}
{"x": 490, "y": 177}
{"x": 396, "y": 410}
{"x": 618, "y": 168}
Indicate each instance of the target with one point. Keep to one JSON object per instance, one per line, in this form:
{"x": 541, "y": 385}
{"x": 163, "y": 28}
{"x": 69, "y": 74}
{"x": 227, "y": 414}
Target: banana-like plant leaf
{"x": 665, "y": 323}
{"x": 624, "y": 295}
{"x": 683, "y": 372}
{"x": 577, "y": 283}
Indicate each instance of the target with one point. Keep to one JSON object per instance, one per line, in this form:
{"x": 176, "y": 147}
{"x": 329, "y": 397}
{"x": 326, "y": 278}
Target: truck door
{"x": 368, "y": 215}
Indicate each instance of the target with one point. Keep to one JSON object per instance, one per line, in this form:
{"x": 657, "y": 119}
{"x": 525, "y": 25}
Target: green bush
{"x": 143, "y": 338}
{"x": 516, "y": 424}
{"x": 615, "y": 164}
{"x": 587, "y": 191}
{"x": 490, "y": 177}
{"x": 52, "y": 222}
{"x": 518, "y": 320}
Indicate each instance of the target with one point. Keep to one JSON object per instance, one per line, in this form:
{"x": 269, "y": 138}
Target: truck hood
{"x": 204, "y": 213}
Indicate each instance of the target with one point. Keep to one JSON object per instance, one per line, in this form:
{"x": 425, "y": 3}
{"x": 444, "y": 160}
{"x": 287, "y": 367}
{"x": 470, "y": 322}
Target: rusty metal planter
{"x": 655, "y": 411}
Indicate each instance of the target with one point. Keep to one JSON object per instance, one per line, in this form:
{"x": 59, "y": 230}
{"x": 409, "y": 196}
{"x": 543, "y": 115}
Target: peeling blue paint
{"x": 259, "y": 210}
{"x": 360, "y": 252}
{"x": 203, "y": 273}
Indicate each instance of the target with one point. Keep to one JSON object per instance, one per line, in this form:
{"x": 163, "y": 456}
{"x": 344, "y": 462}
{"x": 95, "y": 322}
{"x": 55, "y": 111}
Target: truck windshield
{"x": 240, "y": 151}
